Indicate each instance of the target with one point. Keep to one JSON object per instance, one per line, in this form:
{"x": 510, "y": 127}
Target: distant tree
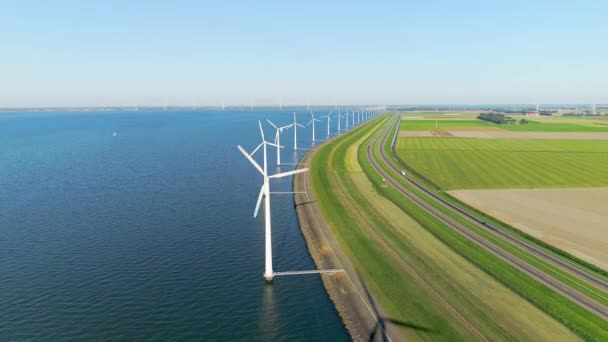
{"x": 496, "y": 118}
{"x": 523, "y": 122}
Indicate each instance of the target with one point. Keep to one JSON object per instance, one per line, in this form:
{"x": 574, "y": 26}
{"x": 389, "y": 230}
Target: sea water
{"x": 149, "y": 234}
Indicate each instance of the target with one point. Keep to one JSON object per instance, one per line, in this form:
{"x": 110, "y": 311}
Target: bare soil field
{"x": 498, "y": 134}
{"x": 575, "y": 220}
{"x": 570, "y": 119}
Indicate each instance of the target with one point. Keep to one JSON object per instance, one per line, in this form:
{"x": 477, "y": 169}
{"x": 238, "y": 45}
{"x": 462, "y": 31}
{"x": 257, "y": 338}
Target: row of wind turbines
{"x": 352, "y": 117}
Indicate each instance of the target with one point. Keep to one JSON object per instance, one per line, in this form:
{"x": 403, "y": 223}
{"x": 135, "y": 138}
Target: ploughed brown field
{"x": 575, "y": 220}
{"x": 495, "y": 133}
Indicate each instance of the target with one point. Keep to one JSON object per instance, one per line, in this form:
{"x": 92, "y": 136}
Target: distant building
{"x": 532, "y": 114}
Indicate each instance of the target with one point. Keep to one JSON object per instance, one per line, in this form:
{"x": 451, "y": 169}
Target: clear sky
{"x": 72, "y": 53}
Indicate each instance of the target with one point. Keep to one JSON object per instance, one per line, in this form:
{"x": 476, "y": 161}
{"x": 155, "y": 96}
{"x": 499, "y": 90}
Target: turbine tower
{"x": 312, "y": 121}
{"x": 295, "y": 132}
{"x": 346, "y": 115}
{"x": 328, "y": 116}
{"x": 265, "y": 194}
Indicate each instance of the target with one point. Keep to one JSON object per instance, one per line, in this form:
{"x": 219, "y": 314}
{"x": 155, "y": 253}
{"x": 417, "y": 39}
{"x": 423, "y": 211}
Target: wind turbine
{"x": 265, "y": 193}
{"x": 295, "y": 132}
{"x": 328, "y": 116}
{"x": 277, "y": 139}
{"x": 312, "y": 121}
{"x": 346, "y": 120}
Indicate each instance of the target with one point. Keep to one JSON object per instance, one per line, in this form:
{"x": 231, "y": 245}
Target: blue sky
{"x": 324, "y": 52}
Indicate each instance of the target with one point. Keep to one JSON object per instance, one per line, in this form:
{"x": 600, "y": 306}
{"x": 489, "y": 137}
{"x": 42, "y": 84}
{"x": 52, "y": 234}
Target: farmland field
{"x": 457, "y": 163}
{"x": 474, "y": 124}
{"x": 415, "y": 276}
{"x": 442, "y": 124}
{"x": 571, "y": 219}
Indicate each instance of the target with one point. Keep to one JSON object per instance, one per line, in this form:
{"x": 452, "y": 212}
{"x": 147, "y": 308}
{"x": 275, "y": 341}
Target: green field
{"x": 459, "y": 163}
{"x": 442, "y": 124}
{"x": 399, "y": 259}
{"x": 545, "y": 126}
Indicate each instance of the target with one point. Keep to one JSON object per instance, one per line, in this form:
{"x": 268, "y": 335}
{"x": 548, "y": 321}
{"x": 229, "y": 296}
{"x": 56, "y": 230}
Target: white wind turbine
{"x": 312, "y": 121}
{"x": 265, "y": 193}
{"x": 328, "y": 116}
{"x": 295, "y": 132}
{"x": 346, "y": 120}
{"x": 277, "y": 139}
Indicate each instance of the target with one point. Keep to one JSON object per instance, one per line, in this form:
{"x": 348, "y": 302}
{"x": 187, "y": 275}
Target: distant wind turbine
{"x": 295, "y": 132}
{"x": 328, "y": 116}
{"x": 312, "y": 121}
{"x": 277, "y": 139}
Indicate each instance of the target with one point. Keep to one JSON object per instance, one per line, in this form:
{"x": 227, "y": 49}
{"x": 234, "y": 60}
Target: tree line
{"x": 496, "y": 118}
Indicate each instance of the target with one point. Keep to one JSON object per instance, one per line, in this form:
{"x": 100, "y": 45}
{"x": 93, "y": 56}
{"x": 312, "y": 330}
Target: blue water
{"x": 149, "y": 235}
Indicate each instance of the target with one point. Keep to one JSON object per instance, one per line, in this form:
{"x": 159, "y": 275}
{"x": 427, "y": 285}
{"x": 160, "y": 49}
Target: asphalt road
{"x": 544, "y": 276}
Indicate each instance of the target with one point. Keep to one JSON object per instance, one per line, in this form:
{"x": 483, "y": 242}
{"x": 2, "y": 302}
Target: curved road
{"x": 549, "y": 280}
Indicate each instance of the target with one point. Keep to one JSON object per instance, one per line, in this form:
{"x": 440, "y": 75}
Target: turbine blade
{"x": 270, "y": 122}
{"x": 257, "y": 166}
{"x": 275, "y": 145}
{"x": 301, "y": 126}
{"x": 261, "y": 130}
{"x": 257, "y": 205}
{"x": 288, "y": 173}
{"x": 256, "y": 149}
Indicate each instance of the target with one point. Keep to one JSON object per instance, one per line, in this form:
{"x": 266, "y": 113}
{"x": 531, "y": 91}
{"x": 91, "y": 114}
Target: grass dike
{"x": 356, "y": 307}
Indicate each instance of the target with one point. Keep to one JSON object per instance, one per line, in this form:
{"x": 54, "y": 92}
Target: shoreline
{"x": 356, "y": 307}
